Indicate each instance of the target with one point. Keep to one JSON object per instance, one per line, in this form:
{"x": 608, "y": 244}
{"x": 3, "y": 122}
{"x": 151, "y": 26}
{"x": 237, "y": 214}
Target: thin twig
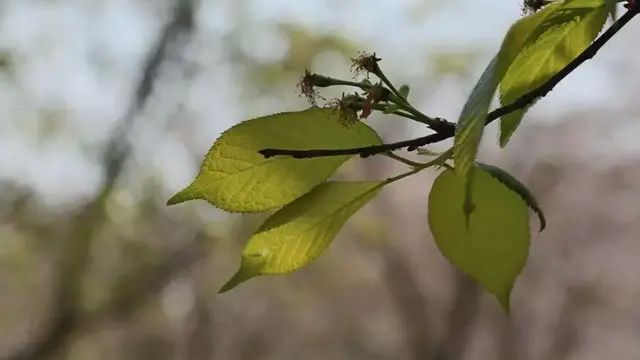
{"x": 403, "y": 160}
{"x": 447, "y": 130}
{"x": 398, "y": 99}
{"x": 364, "y": 151}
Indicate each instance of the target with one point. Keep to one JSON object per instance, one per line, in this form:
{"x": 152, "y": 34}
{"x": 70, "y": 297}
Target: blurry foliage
{"x": 149, "y": 288}
{"x": 453, "y": 63}
{"x": 303, "y": 47}
{"x": 5, "y": 61}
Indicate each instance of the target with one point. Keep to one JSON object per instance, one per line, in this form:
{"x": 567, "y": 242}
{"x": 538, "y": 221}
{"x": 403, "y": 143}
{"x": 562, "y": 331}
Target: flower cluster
{"x": 352, "y": 106}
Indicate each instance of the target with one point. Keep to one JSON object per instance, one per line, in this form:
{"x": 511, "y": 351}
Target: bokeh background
{"x": 108, "y": 106}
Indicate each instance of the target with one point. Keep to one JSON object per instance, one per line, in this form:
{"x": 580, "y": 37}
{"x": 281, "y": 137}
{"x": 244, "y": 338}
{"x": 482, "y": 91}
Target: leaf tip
{"x": 505, "y": 302}
{"x": 249, "y": 268}
{"x": 508, "y": 125}
{"x": 240, "y": 277}
{"x": 173, "y": 200}
{"x": 503, "y": 295}
{"x": 229, "y": 285}
{"x": 504, "y": 139}
{"x": 186, "y": 194}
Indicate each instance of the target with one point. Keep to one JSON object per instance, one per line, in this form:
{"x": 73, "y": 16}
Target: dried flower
{"x": 307, "y": 88}
{"x": 375, "y": 94}
{"x": 347, "y": 108}
{"x": 364, "y": 63}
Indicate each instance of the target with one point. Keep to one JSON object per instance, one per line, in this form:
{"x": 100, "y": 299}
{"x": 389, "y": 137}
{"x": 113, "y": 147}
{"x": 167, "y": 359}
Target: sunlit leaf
{"x": 471, "y": 122}
{"x": 302, "y": 230}
{"x": 493, "y": 248}
{"x": 565, "y": 32}
{"x": 234, "y": 177}
{"x": 470, "y": 126}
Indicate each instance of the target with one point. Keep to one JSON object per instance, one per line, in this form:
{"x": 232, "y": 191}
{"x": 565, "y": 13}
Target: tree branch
{"x": 447, "y": 130}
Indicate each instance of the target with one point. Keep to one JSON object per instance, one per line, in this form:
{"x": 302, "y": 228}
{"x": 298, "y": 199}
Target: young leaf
{"x": 494, "y": 247}
{"x": 302, "y": 230}
{"x": 565, "y": 32}
{"x": 519, "y": 188}
{"x": 235, "y": 177}
{"x": 471, "y": 123}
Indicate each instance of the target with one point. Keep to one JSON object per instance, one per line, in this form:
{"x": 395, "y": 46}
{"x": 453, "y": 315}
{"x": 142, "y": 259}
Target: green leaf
{"x": 494, "y": 247}
{"x": 563, "y": 34}
{"x": 302, "y": 230}
{"x": 470, "y": 127}
{"x": 519, "y": 188}
{"x": 520, "y": 32}
{"x": 234, "y": 177}
{"x": 471, "y": 122}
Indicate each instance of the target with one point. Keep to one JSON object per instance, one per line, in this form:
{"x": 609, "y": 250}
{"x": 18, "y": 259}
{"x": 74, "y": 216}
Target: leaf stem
{"x": 380, "y": 74}
{"x": 403, "y": 160}
{"x": 440, "y": 160}
{"x": 361, "y": 85}
{"x": 398, "y": 99}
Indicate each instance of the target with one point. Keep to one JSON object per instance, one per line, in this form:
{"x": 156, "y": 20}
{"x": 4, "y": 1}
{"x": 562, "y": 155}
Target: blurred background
{"x": 108, "y": 107}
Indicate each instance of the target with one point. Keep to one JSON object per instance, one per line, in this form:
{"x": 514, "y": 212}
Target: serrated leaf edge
{"x": 239, "y": 277}
{"x": 518, "y": 187}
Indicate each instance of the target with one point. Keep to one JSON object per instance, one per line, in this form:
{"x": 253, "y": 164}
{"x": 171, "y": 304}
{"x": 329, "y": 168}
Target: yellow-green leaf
{"x": 302, "y": 230}
{"x": 235, "y": 177}
{"x": 494, "y": 247}
{"x": 470, "y": 126}
{"x": 565, "y": 32}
